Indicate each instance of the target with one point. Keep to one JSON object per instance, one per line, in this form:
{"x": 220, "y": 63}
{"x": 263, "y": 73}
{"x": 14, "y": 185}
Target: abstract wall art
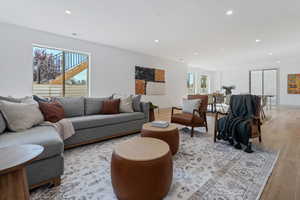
{"x": 293, "y": 83}
{"x": 149, "y": 81}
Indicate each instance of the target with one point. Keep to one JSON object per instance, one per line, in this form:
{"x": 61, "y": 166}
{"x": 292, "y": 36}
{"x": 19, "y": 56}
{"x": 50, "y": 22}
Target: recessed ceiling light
{"x": 257, "y": 40}
{"x": 156, "y": 41}
{"x": 196, "y": 53}
{"x": 229, "y": 12}
{"x": 270, "y": 53}
{"x": 68, "y": 12}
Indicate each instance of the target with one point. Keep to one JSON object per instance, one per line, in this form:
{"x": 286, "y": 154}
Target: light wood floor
{"x": 281, "y": 132}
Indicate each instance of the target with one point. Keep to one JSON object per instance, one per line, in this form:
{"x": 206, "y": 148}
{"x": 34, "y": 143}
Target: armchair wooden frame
{"x": 202, "y": 115}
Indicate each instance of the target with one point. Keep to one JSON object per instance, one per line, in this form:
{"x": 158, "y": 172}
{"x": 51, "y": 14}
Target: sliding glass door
{"x": 256, "y": 79}
{"x": 264, "y": 82}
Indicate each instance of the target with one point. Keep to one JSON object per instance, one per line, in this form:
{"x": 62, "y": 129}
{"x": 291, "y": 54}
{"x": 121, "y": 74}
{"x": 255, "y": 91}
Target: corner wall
{"x": 111, "y": 69}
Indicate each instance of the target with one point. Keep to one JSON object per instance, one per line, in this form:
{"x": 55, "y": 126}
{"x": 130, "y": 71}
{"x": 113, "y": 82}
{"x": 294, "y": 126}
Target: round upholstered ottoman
{"x": 141, "y": 169}
{"x": 170, "y": 135}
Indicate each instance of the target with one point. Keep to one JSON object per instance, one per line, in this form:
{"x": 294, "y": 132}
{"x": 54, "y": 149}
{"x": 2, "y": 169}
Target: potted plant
{"x": 228, "y": 89}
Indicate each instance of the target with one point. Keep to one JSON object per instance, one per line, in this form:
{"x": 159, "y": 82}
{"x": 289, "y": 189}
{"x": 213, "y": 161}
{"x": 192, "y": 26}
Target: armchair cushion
{"x": 186, "y": 119}
{"x": 204, "y": 101}
{"x": 189, "y": 105}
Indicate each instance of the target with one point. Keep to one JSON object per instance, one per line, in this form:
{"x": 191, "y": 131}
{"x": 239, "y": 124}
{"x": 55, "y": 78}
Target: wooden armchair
{"x": 255, "y": 125}
{"x": 196, "y": 119}
{"x": 253, "y": 122}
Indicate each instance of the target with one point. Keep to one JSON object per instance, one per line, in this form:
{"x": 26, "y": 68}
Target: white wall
{"x": 240, "y": 78}
{"x": 237, "y": 77}
{"x": 285, "y": 98}
{"x": 111, "y": 71}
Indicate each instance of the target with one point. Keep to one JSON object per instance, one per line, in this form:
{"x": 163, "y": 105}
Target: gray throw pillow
{"x": 136, "y": 103}
{"x": 20, "y": 116}
{"x": 73, "y": 106}
{"x": 93, "y": 106}
{"x": 2, "y": 123}
{"x": 188, "y": 106}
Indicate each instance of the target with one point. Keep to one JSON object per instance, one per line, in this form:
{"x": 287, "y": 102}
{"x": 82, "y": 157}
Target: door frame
{"x": 277, "y": 81}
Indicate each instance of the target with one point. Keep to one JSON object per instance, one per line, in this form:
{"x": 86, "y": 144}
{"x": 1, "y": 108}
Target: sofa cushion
{"x": 187, "y": 119}
{"x": 40, "y": 99}
{"x": 93, "y": 106}
{"x": 136, "y": 103}
{"x": 126, "y": 103}
{"x": 21, "y": 116}
{"x": 73, "y": 106}
{"x": 92, "y": 121}
{"x": 45, "y": 136}
{"x": 10, "y": 99}
{"x": 111, "y": 106}
{"x": 52, "y": 111}
{"x": 26, "y": 99}
{"x": 2, "y": 123}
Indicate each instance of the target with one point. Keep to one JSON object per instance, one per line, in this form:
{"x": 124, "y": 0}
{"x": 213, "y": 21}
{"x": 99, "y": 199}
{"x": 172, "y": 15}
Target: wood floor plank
{"x": 281, "y": 132}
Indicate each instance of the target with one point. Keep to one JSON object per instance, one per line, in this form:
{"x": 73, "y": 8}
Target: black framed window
{"x": 59, "y": 73}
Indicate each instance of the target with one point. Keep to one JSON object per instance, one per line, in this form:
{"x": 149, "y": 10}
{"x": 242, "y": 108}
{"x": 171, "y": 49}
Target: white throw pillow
{"x": 188, "y": 105}
{"x": 21, "y": 116}
{"x": 125, "y": 104}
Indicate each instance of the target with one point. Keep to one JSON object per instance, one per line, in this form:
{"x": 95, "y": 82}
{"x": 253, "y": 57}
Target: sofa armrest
{"x": 145, "y": 106}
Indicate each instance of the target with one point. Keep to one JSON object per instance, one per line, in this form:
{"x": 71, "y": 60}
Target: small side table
{"x": 169, "y": 134}
{"x": 141, "y": 169}
{"x": 13, "y": 177}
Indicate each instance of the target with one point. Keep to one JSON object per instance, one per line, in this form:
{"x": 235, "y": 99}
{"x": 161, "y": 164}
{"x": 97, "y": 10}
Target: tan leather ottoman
{"x": 170, "y": 135}
{"x": 141, "y": 169}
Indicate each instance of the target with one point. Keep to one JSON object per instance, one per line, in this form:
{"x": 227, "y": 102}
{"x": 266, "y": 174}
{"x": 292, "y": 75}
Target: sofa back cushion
{"x": 52, "y": 111}
{"x": 93, "y": 106}
{"x": 2, "y": 123}
{"x": 20, "y": 116}
{"x": 73, "y": 106}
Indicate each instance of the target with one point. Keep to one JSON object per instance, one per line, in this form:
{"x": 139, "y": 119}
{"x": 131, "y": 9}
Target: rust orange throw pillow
{"x": 52, "y": 111}
{"x": 110, "y": 106}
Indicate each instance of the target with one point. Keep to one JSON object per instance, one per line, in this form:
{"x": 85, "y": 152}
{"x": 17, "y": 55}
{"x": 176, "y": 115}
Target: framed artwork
{"x": 293, "y": 83}
{"x": 149, "y": 81}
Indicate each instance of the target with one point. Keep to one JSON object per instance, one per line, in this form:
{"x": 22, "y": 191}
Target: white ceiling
{"x": 183, "y": 27}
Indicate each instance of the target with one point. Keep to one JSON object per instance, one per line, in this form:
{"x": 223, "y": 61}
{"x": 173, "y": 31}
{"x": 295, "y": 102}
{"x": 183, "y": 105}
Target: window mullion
{"x": 63, "y": 74}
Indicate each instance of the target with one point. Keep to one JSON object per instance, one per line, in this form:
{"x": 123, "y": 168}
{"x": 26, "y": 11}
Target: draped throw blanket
{"x": 64, "y": 128}
{"x": 235, "y": 127}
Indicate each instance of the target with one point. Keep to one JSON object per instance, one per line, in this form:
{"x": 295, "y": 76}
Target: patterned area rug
{"x": 202, "y": 170}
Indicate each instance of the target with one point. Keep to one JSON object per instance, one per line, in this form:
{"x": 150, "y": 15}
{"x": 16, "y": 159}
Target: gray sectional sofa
{"x": 89, "y": 127}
